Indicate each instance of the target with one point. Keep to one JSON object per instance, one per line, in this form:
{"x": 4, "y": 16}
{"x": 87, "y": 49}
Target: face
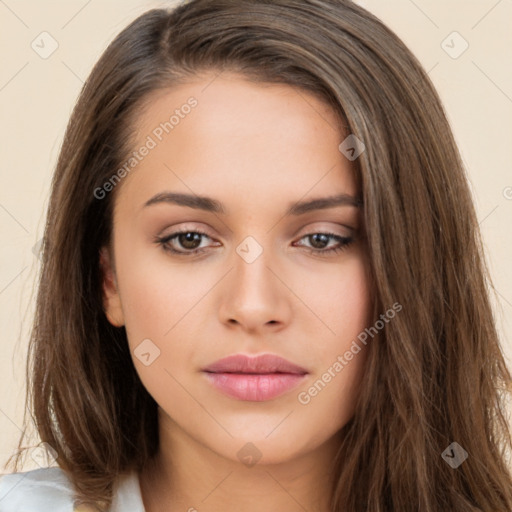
{"x": 249, "y": 274}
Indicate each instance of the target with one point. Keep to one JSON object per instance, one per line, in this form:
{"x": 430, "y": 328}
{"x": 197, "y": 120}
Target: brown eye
{"x": 189, "y": 240}
{"x": 182, "y": 242}
{"x": 319, "y": 242}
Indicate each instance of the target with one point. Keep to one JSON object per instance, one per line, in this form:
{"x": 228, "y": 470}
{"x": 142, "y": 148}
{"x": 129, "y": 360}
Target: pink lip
{"x": 257, "y": 378}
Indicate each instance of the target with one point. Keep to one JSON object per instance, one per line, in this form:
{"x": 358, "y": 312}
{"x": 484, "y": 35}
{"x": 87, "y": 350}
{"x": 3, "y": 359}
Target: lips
{"x": 265, "y": 363}
{"x": 255, "y": 379}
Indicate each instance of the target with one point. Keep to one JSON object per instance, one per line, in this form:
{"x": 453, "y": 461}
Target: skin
{"x": 256, "y": 148}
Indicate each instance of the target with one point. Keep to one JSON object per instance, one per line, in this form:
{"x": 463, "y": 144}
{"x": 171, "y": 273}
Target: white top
{"x": 50, "y": 490}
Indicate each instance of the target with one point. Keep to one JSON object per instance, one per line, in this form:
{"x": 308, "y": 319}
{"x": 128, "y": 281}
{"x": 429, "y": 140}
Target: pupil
{"x": 187, "y": 240}
{"x": 324, "y": 240}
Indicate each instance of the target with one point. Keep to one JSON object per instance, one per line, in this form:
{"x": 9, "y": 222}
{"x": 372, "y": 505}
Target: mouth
{"x": 255, "y": 379}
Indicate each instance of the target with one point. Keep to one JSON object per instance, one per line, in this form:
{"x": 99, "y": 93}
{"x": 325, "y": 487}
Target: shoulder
{"x": 38, "y": 490}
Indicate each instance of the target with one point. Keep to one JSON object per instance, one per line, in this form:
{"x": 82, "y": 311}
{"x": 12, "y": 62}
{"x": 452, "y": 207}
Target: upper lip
{"x": 265, "y": 363}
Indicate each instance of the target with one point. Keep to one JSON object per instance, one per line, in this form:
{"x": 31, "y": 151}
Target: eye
{"x": 322, "y": 239}
{"x": 187, "y": 239}
{"x": 190, "y": 242}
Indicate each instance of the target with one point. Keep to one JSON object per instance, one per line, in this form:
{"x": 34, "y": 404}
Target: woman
{"x": 263, "y": 284}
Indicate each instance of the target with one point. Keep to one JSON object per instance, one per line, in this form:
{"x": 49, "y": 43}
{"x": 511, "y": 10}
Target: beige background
{"x": 37, "y": 95}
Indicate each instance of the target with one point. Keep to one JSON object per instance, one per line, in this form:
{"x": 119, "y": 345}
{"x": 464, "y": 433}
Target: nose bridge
{"x": 251, "y": 260}
{"x": 253, "y": 296}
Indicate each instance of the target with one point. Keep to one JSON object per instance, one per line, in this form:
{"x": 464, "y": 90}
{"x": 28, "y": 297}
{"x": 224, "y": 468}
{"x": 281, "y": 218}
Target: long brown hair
{"x": 436, "y": 376}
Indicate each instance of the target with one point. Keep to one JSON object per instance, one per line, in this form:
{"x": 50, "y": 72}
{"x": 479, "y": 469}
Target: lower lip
{"x": 254, "y": 387}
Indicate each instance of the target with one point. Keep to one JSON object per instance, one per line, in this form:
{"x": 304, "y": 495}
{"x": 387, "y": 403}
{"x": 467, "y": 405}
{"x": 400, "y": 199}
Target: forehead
{"x": 225, "y": 136}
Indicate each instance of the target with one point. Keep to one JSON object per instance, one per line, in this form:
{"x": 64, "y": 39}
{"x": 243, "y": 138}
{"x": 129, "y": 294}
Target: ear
{"x": 111, "y": 297}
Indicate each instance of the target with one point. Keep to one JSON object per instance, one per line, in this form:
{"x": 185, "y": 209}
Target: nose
{"x": 253, "y": 295}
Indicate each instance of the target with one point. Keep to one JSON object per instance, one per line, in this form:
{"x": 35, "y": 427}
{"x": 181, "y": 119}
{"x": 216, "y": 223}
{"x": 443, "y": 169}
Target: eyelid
{"x": 319, "y": 228}
{"x": 186, "y": 227}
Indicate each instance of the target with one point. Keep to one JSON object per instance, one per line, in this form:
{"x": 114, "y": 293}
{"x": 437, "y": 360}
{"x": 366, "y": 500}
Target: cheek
{"x": 156, "y": 294}
{"x": 147, "y": 305}
{"x": 345, "y": 303}
{"x": 156, "y": 298}
{"x": 350, "y": 306}
{"x": 343, "y": 300}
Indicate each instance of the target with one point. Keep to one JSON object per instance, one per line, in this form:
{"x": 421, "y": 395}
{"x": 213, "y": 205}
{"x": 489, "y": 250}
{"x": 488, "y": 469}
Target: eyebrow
{"x": 209, "y": 204}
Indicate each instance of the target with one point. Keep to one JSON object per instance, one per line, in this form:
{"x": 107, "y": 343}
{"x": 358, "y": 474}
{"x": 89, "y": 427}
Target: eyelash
{"x": 164, "y": 243}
